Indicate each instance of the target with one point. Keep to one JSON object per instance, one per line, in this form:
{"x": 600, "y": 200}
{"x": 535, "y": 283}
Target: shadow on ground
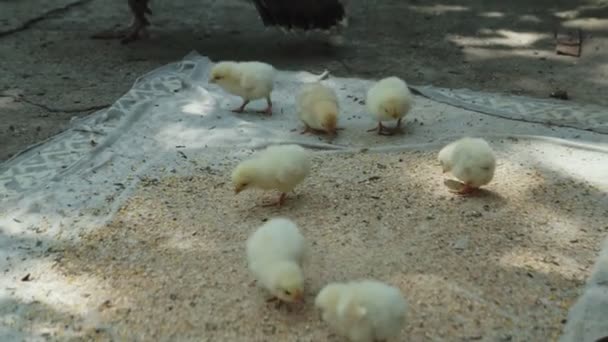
{"x": 506, "y": 264}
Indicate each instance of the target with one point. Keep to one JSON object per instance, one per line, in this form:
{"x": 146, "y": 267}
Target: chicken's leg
{"x": 398, "y": 128}
{"x": 278, "y": 304}
{"x": 466, "y": 190}
{"x": 377, "y": 128}
{"x": 307, "y": 129}
{"x": 268, "y": 110}
{"x": 382, "y": 130}
{"x": 282, "y": 199}
{"x": 139, "y": 9}
{"x": 242, "y": 107}
{"x": 279, "y": 203}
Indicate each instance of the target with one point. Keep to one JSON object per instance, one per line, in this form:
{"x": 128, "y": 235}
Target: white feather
{"x": 275, "y": 252}
{"x": 363, "y": 311}
{"x": 249, "y": 80}
{"x": 317, "y": 106}
{"x": 280, "y": 167}
{"x": 389, "y": 99}
{"x": 470, "y": 160}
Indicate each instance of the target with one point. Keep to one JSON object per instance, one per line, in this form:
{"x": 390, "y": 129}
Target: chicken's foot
{"x": 382, "y": 130}
{"x": 279, "y": 203}
{"x": 465, "y": 190}
{"x": 268, "y": 110}
{"x": 242, "y": 107}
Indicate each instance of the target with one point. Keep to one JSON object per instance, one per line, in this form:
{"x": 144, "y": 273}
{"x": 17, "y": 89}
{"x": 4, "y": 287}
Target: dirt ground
{"x": 171, "y": 265}
{"x": 51, "y": 70}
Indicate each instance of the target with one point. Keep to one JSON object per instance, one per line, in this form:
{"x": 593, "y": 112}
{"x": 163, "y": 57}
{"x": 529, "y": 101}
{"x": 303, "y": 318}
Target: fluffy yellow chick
{"x": 388, "y": 100}
{"x": 249, "y": 80}
{"x": 280, "y": 167}
{"x": 275, "y": 252}
{"x": 318, "y": 108}
{"x": 363, "y": 311}
{"x": 470, "y": 160}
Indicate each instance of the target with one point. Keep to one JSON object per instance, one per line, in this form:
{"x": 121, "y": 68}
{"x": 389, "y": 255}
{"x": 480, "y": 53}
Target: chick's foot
{"x": 279, "y": 203}
{"x": 466, "y": 190}
{"x": 306, "y": 130}
{"x": 268, "y": 110}
{"x": 382, "y": 130}
{"x": 241, "y": 108}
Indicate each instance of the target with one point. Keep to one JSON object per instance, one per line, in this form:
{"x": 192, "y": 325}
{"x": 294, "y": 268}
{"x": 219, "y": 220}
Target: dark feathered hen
{"x": 294, "y": 14}
{"x": 288, "y": 14}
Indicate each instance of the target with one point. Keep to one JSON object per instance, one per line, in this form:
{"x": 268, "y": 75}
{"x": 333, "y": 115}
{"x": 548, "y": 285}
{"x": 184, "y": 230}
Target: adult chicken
{"x": 288, "y": 14}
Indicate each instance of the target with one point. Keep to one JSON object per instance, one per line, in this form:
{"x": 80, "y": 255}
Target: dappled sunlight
{"x": 530, "y": 18}
{"x": 181, "y": 134}
{"x": 218, "y": 131}
{"x": 492, "y": 15}
{"x": 479, "y": 54}
{"x": 202, "y": 108}
{"x": 202, "y": 102}
{"x": 8, "y": 102}
{"x": 180, "y": 241}
{"x": 581, "y": 11}
{"x": 438, "y": 9}
{"x": 585, "y": 163}
{"x": 433, "y": 284}
{"x": 55, "y": 305}
{"x": 546, "y": 262}
{"x": 588, "y": 24}
{"x": 503, "y": 38}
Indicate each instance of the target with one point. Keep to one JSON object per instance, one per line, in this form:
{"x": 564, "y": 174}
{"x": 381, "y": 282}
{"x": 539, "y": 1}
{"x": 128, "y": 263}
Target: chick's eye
{"x": 287, "y": 293}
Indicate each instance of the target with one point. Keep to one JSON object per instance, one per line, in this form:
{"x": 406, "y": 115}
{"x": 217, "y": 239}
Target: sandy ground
{"x": 51, "y": 70}
{"x": 503, "y": 265}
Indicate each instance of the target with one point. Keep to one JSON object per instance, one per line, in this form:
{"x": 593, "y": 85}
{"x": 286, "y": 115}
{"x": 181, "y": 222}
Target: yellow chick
{"x": 275, "y": 252}
{"x": 388, "y": 100}
{"x": 471, "y": 161}
{"x": 318, "y": 108}
{"x": 280, "y": 167}
{"x": 363, "y": 311}
{"x": 249, "y": 80}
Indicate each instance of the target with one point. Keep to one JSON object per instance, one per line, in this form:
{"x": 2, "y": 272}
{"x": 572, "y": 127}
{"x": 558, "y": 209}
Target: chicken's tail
{"x": 299, "y": 14}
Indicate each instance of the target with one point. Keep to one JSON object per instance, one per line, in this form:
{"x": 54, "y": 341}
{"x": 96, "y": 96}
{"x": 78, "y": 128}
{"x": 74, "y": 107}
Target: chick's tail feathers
{"x": 299, "y": 14}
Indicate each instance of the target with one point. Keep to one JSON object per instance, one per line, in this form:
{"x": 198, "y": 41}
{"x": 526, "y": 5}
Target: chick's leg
{"x": 382, "y": 130}
{"x": 378, "y": 128}
{"x": 139, "y": 8}
{"x": 466, "y": 190}
{"x": 242, "y": 107}
{"x": 279, "y": 203}
{"x": 268, "y": 110}
{"x": 282, "y": 199}
{"x": 307, "y": 129}
{"x": 398, "y": 126}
